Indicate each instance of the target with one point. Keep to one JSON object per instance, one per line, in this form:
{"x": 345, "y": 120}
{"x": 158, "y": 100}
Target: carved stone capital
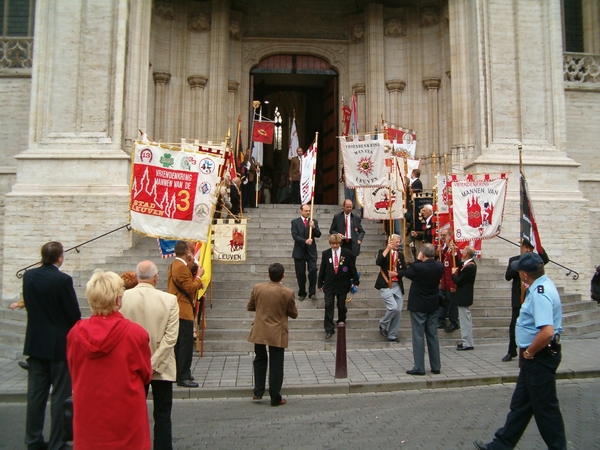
{"x": 234, "y": 29}
{"x": 199, "y": 22}
{"x": 232, "y": 86}
{"x": 394, "y": 28}
{"x": 449, "y": 74}
{"x": 164, "y": 9}
{"x": 197, "y": 81}
{"x": 161, "y": 77}
{"x": 431, "y": 83}
{"x": 358, "y": 33}
{"x": 395, "y": 85}
{"x": 359, "y": 88}
{"x": 429, "y": 16}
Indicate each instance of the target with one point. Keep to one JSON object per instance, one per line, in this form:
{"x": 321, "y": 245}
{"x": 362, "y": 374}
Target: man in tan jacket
{"x": 295, "y": 174}
{"x": 158, "y": 313}
{"x": 273, "y": 304}
{"x": 182, "y": 284}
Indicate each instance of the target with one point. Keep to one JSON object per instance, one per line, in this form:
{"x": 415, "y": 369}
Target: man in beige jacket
{"x": 158, "y": 313}
{"x": 273, "y": 304}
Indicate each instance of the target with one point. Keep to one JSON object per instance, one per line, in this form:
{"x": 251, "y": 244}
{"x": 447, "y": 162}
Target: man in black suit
{"x": 337, "y": 275}
{"x": 52, "y": 310}
{"x": 348, "y": 227}
{"x": 464, "y": 278}
{"x": 305, "y": 252}
{"x": 516, "y": 297}
{"x": 428, "y": 224}
{"x": 423, "y": 304}
{"x": 416, "y": 185}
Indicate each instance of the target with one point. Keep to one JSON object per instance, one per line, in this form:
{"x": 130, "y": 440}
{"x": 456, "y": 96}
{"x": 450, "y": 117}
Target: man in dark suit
{"x": 349, "y": 228}
{"x": 305, "y": 252}
{"x": 516, "y": 297}
{"x": 416, "y": 185}
{"x": 423, "y": 304}
{"x": 428, "y": 224}
{"x": 251, "y": 169}
{"x": 52, "y": 310}
{"x": 184, "y": 285}
{"x": 337, "y": 275}
{"x": 273, "y": 304}
{"x": 464, "y": 278}
{"x": 390, "y": 261}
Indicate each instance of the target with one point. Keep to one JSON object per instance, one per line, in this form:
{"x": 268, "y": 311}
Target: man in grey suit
{"x": 52, "y": 310}
{"x": 423, "y": 304}
{"x": 305, "y": 252}
{"x": 158, "y": 313}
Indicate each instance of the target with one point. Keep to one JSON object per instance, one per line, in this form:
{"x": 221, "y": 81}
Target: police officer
{"x": 538, "y": 337}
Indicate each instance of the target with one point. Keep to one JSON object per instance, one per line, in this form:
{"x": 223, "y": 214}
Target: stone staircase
{"x": 269, "y": 240}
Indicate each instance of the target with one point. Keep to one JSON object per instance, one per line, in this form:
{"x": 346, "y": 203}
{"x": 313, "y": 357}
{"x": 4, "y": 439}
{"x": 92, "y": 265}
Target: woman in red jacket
{"x": 109, "y": 361}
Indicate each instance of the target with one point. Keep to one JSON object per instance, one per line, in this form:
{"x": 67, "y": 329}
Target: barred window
{"x": 573, "y": 23}
{"x": 16, "y": 33}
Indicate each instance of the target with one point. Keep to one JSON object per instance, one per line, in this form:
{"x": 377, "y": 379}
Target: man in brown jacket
{"x": 181, "y": 283}
{"x": 273, "y": 304}
{"x": 295, "y": 174}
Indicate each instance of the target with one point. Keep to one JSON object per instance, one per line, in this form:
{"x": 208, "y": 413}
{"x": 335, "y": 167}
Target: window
{"x": 573, "y": 23}
{"x": 16, "y": 33}
{"x": 278, "y": 135}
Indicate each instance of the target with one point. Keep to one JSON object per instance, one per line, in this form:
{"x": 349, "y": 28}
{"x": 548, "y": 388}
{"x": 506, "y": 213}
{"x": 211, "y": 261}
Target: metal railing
{"x": 570, "y": 271}
{"x": 20, "y": 272}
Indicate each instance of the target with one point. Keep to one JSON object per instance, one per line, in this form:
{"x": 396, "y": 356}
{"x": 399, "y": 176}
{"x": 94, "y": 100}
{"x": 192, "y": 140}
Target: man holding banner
{"x": 304, "y": 232}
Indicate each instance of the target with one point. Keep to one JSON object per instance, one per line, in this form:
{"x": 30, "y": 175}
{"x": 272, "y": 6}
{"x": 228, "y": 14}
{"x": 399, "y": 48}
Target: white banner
{"x": 229, "y": 241}
{"x": 376, "y": 203}
{"x": 173, "y": 190}
{"x": 442, "y": 194}
{"x": 478, "y": 208}
{"x": 307, "y": 180}
{"x": 364, "y": 162}
{"x": 294, "y": 143}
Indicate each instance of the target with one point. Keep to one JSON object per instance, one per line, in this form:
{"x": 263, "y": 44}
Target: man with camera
{"x": 538, "y": 336}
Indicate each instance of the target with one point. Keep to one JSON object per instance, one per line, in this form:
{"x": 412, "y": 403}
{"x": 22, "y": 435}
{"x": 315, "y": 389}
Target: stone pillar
{"x": 591, "y": 26}
{"x": 359, "y": 90}
{"x": 395, "y": 88}
{"x": 375, "y": 77}
{"x": 161, "y": 79}
{"x": 219, "y": 60}
{"x": 74, "y": 159}
{"x": 433, "y": 114}
{"x": 232, "y": 87}
{"x": 197, "y": 83}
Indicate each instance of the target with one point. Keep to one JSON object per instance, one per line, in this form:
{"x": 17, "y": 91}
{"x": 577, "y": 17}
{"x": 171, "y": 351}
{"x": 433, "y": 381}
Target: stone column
{"x": 219, "y": 60}
{"x": 161, "y": 79}
{"x": 433, "y": 114}
{"x": 359, "y": 90}
{"x": 375, "y": 77}
{"x": 232, "y": 87}
{"x": 395, "y": 88}
{"x": 591, "y": 26}
{"x": 197, "y": 83}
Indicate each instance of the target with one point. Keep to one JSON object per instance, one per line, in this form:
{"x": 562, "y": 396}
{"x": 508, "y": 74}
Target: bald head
{"x": 147, "y": 272}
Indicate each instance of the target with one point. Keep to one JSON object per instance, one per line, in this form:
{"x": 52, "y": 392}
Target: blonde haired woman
{"x": 109, "y": 361}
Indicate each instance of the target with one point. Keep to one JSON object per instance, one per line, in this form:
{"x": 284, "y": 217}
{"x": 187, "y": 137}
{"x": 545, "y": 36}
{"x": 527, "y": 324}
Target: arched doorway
{"x": 306, "y": 87}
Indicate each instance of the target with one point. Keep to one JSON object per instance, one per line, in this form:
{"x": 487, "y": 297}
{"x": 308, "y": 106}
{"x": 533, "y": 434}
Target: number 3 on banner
{"x": 185, "y": 199}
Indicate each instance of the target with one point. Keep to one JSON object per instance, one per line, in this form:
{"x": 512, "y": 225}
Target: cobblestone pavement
{"x": 428, "y": 419}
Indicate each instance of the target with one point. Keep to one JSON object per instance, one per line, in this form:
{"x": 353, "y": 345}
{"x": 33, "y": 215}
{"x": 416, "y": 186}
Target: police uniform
{"x": 535, "y": 392}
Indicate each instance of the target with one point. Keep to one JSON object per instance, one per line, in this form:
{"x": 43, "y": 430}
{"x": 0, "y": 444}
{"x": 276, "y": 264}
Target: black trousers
{"x": 249, "y": 194}
{"x": 184, "y": 349}
{"x": 300, "y": 265}
{"x": 330, "y": 301}
{"x": 42, "y": 374}
{"x": 275, "y": 363}
{"x": 450, "y": 311}
{"x": 512, "y": 343}
{"x": 296, "y": 198}
{"x": 534, "y": 395}
{"x": 162, "y": 398}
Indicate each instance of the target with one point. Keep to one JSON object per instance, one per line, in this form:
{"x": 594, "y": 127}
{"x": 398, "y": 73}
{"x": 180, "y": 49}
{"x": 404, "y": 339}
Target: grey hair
{"x": 428, "y": 207}
{"x": 428, "y": 250}
{"x": 146, "y": 270}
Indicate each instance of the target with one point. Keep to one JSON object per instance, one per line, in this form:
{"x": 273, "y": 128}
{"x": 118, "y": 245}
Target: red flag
{"x": 346, "y": 113}
{"x": 263, "y": 132}
{"x": 230, "y": 164}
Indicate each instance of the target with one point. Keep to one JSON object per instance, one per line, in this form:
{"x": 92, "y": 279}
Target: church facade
{"x": 475, "y": 79}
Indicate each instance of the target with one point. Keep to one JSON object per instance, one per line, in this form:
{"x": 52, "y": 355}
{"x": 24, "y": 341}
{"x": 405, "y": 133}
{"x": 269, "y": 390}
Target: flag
{"x": 166, "y": 248}
{"x": 364, "y": 163}
{"x": 203, "y": 254}
{"x": 529, "y": 229}
{"x": 354, "y": 117}
{"x": 346, "y": 115}
{"x": 294, "y": 143}
{"x": 230, "y": 164}
{"x": 263, "y": 132}
{"x": 238, "y": 143}
{"x": 257, "y": 152}
{"x": 307, "y": 181}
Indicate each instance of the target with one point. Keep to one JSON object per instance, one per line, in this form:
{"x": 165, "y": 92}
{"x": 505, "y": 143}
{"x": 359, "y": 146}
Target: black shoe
{"x": 460, "y": 348}
{"x": 23, "y": 365}
{"x": 508, "y": 357}
{"x": 188, "y": 384}
{"x": 329, "y": 334}
{"x": 414, "y": 372}
{"x": 382, "y": 331}
{"x": 301, "y": 297}
{"x": 479, "y": 445}
{"x": 441, "y": 326}
{"x": 435, "y": 372}
{"x": 451, "y": 328}
{"x": 393, "y": 340}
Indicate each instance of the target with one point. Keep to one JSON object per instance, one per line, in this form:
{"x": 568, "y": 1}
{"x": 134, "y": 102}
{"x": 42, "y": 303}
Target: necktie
{"x": 348, "y": 227}
{"x": 305, "y": 223}
{"x": 336, "y": 262}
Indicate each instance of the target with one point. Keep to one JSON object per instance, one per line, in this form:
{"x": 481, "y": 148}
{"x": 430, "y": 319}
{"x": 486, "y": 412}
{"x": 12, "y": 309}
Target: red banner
{"x": 346, "y": 113}
{"x": 263, "y": 132}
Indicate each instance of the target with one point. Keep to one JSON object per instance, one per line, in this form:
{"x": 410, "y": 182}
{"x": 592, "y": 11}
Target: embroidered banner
{"x": 364, "y": 162}
{"x": 229, "y": 240}
{"x": 263, "y": 132}
{"x": 173, "y": 190}
{"x": 376, "y": 203}
{"x": 478, "y": 207}
{"x": 308, "y": 171}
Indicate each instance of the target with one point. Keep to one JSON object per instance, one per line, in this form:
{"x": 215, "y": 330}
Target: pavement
{"x": 368, "y": 371}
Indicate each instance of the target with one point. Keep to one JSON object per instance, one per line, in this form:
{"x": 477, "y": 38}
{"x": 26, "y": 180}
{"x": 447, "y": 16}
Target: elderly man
{"x": 423, "y": 303}
{"x": 295, "y": 173}
{"x": 538, "y": 336}
{"x": 348, "y": 227}
{"x": 158, "y": 313}
{"x": 464, "y": 278}
{"x": 428, "y": 225}
{"x": 273, "y": 304}
{"x": 390, "y": 261}
{"x": 448, "y": 255}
